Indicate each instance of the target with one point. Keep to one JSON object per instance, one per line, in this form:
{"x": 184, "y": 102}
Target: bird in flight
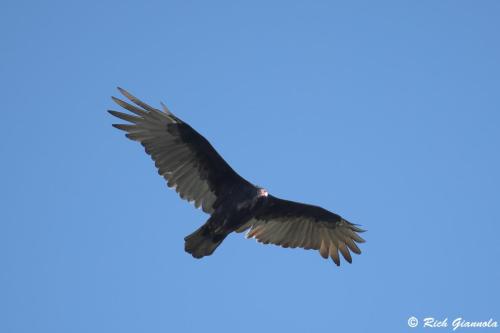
{"x": 191, "y": 166}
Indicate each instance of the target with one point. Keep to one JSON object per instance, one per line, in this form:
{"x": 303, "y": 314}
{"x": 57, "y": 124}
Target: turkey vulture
{"x": 191, "y": 166}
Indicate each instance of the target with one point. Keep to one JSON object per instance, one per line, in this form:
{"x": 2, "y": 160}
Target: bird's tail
{"x": 203, "y": 242}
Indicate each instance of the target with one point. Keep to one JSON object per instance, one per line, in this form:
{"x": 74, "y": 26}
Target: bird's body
{"x": 231, "y": 214}
{"x": 190, "y": 164}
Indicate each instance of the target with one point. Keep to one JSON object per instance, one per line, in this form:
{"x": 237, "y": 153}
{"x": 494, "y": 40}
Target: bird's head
{"x": 262, "y": 192}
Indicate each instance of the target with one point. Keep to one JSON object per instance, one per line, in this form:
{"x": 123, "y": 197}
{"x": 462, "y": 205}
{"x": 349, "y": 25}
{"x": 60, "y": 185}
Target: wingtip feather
{"x": 121, "y": 90}
{"x": 165, "y": 108}
{"x": 128, "y": 95}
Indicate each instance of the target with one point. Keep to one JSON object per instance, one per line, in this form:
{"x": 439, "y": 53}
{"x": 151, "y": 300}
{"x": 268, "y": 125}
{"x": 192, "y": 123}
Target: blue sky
{"x": 385, "y": 112}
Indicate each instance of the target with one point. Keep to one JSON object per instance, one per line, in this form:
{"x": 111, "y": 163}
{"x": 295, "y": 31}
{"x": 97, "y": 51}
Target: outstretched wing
{"x": 293, "y": 224}
{"x": 183, "y": 157}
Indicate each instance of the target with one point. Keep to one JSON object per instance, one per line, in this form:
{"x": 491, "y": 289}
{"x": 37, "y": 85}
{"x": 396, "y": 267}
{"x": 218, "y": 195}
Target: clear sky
{"x": 386, "y": 112}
